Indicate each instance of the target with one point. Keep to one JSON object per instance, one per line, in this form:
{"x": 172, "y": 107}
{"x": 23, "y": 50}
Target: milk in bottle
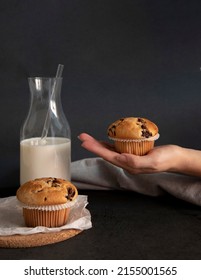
{"x": 50, "y": 159}
{"x": 49, "y": 156}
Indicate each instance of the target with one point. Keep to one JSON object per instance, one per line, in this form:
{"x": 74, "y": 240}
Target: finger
{"x": 85, "y": 137}
{"x": 106, "y": 151}
{"x": 100, "y": 148}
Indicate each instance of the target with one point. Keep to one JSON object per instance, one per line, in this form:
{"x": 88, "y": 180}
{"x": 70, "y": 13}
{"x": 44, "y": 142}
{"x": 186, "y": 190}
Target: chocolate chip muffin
{"x": 134, "y": 135}
{"x": 46, "y": 201}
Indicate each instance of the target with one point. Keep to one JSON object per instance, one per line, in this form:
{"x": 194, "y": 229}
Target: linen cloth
{"x": 98, "y": 174}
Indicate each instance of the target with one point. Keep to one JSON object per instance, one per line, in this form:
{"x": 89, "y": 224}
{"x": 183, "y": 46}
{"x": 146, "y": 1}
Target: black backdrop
{"x": 122, "y": 58}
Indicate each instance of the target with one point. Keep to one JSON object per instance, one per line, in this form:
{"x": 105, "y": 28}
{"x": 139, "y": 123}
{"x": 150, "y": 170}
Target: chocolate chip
{"x": 112, "y": 130}
{"x": 140, "y": 120}
{"x": 53, "y": 182}
{"x": 146, "y": 133}
{"x": 71, "y": 194}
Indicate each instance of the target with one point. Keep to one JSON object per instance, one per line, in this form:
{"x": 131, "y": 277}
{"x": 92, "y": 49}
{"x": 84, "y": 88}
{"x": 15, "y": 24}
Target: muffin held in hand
{"x": 133, "y": 135}
{"x": 46, "y": 201}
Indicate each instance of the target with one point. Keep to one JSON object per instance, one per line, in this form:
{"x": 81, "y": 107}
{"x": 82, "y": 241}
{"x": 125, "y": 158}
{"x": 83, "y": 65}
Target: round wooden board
{"x": 37, "y": 239}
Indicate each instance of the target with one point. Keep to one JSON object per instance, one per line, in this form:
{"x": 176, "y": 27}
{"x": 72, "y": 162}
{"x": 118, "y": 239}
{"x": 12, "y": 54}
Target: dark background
{"x": 122, "y": 58}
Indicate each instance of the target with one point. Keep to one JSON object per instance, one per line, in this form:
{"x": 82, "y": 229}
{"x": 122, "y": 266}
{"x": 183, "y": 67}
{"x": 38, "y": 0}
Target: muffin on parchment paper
{"x": 47, "y": 201}
{"x": 134, "y": 135}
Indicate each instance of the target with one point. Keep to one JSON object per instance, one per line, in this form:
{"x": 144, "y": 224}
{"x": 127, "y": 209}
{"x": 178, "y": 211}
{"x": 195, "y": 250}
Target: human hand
{"x": 161, "y": 158}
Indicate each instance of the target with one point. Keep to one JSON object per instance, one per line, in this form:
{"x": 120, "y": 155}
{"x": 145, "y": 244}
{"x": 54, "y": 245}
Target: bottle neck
{"x": 45, "y": 108}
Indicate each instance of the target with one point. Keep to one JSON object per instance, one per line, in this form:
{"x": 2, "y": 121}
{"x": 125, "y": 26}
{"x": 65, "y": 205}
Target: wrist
{"x": 179, "y": 159}
{"x": 187, "y": 161}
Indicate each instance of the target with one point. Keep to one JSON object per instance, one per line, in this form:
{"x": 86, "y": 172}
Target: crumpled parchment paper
{"x": 12, "y": 221}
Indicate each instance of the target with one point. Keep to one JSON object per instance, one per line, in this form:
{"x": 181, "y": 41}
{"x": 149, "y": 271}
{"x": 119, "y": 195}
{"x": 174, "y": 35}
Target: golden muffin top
{"x": 132, "y": 128}
{"x": 46, "y": 191}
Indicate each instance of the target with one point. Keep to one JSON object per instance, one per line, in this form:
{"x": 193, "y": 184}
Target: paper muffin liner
{"x": 153, "y": 138}
{"x": 134, "y": 146}
{"x": 47, "y": 215}
{"x": 49, "y": 207}
{"x": 35, "y": 217}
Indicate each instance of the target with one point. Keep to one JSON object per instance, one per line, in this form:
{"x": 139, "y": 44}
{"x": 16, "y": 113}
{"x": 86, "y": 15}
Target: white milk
{"x": 45, "y": 158}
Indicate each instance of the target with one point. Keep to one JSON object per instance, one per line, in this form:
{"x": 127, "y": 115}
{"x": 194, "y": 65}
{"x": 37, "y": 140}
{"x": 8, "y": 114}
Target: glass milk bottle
{"x": 45, "y": 139}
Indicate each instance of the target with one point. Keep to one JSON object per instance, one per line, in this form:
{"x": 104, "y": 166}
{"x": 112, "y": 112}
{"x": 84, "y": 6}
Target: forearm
{"x": 187, "y": 161}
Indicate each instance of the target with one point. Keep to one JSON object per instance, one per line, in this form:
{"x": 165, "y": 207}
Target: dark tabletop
{"x": 126, "y": 225}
